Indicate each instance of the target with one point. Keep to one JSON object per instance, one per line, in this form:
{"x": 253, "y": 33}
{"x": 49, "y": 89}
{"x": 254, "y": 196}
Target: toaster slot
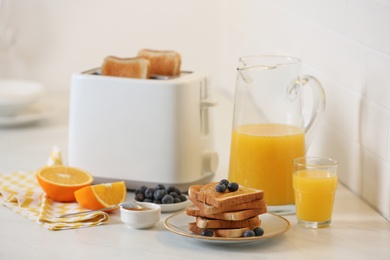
{"x": 163, "y": 77}
{"x": 97, "y": 71}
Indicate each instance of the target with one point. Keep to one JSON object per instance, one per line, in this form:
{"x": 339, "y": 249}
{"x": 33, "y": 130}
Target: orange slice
{"x": 101, "y": 195}
{"x": 60, "y": 182}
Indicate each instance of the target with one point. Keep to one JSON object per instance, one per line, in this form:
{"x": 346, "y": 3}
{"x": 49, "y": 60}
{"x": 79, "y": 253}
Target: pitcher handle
{"x": 318, "y": 107}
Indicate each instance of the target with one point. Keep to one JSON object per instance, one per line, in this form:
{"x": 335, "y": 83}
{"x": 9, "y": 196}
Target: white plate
{"x": 273, "y": 225}
{"x": 175, "y": 206}
{"x": 31, "y": 115}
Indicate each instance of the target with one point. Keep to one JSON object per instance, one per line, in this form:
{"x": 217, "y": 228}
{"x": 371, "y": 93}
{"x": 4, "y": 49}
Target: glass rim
{"x": 303, "y": 161}
{"x": 280, "y": 60}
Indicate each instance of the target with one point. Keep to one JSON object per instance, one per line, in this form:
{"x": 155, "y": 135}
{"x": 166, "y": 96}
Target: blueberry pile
{"x": 159, "y": 194}
{"x": 224, "y": 185}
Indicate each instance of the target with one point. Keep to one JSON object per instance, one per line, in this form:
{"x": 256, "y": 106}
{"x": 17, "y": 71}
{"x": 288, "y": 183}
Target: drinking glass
{"x": 315, "y": 183}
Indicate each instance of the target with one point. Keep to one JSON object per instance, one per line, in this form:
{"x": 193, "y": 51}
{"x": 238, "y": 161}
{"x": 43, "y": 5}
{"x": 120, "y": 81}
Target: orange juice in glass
{"x": 261, "y": 157}
{"x": 315, "y": 184}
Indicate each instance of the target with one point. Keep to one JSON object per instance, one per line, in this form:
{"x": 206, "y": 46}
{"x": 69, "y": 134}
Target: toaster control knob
{"x": 210, "y": 161}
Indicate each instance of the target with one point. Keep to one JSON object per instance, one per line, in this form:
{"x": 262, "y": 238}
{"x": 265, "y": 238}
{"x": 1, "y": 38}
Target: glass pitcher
{"x": 269, "y": 126}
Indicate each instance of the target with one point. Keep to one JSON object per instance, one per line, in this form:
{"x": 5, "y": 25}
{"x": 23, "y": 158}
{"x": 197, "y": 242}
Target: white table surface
{"x": 357, "y": 231}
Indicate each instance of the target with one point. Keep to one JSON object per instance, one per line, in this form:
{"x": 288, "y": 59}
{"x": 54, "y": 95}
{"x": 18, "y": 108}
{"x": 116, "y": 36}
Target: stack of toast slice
{"x": 227, "y": 214}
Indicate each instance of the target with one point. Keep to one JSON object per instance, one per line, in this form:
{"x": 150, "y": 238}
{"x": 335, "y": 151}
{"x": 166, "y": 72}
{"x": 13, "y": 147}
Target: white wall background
{"x": 344, "y": 43}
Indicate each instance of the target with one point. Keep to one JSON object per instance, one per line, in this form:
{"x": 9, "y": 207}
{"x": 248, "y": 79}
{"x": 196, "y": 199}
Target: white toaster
{"x": 144, "y": 132}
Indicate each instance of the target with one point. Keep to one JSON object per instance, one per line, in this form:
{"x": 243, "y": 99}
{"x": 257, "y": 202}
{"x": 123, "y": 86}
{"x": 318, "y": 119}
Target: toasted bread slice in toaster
{"x": 194, "y": 211}
{"x": 220, "y": 232}
{"x": 208, "y": 195}
{"x": 126, "y": 67}
{"x": 166, "y": 63}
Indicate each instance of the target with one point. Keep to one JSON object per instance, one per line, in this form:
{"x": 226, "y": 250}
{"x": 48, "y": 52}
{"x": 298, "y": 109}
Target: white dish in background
{"x": 29, "y": 116}
{"x": 16, "y": 95}
{"x": 273, "y": 225}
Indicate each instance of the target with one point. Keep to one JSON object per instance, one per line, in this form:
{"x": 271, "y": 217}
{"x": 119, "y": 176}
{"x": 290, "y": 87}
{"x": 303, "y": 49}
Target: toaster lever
{"x": 208, "y": 103}
{"x": 210, "y": 161}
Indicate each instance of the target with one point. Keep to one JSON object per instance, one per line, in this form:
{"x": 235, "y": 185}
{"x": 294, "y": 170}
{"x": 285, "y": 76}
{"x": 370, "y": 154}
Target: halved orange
{"x": 60, "y": 182}
{"x": 101, "y": 195}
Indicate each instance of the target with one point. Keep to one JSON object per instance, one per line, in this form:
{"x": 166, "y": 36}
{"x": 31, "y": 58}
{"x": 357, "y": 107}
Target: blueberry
{"x": 149, "y": 192}
{"x": 224, "y": 182}
{"x": 159, "y": 194}
{"x": 182, "y": 198}
{"x": 140, "y": 197}
{"x": 167, "y": 199}
{"x": 165, "y": 192}
{"x": 176, "y": 200}
{"x": 148, "y": 200}
{"x": 249, "y": 233}
{"x": 258, "y": 231}
{"x": 178, "y": 191}
{"x": 174, "y": 194}
{"x": 160, "y": 187}
{"x": 220, "y": 188}
{"x": 157, "y": 201}
{"x": 233, "y": 186}
{"x": 141, "y": 190}
{"x": 207, "y": 233}
{"x": 171, "y": 188}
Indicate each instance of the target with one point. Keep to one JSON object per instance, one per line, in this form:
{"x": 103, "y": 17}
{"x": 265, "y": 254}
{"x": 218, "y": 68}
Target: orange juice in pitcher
{"x": 270, "y": 128}
{"x": 261, "y": 157}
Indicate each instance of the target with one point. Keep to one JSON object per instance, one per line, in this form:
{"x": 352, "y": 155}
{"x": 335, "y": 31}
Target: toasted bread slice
{"x": 194, "y": 211}
{"x": 165, "y": 63}
{"x": 220, "y": 232}
{"x": 217, "y": 223}
{"x": 126, "y": 67}
{"x": 208, "y": 209}
{"x": 207, "y": 194}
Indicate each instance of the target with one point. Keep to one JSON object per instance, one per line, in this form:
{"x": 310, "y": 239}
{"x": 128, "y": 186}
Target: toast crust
{"x": 208, "y": 195}
{"x": 208, "y": 209}
{"x": 166, "y": 63}
{"x": 217, "y": 223}
{"x": 194, "y": 211}
{"x": 126, "y": 67}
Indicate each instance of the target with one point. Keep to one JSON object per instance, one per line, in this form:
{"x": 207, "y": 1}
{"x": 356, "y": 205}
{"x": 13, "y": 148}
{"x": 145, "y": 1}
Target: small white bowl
{"x": 139, "y": 219}
{"x": 16, "y": 95}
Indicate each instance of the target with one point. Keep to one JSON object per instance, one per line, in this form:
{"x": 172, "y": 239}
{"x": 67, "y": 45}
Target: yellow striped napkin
{"x": 55, "y": 157}
{"x": 21, "y": 193}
